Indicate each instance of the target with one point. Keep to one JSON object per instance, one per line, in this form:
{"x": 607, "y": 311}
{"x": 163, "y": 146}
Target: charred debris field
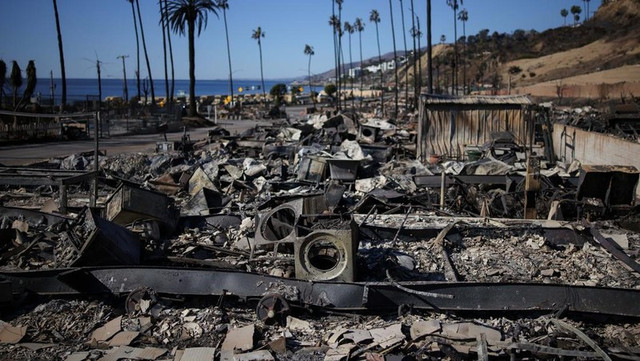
{"x": 460, "y": 231}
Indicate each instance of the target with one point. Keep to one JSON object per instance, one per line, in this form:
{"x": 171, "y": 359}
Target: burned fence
{"x": 451, "y": 126}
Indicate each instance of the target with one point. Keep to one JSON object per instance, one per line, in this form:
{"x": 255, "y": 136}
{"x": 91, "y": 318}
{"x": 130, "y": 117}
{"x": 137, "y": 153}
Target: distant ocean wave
{"x": 80, "y": 89}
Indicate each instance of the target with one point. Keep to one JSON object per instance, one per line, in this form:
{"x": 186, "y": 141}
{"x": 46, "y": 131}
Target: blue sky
{"x": 105, "y": 28}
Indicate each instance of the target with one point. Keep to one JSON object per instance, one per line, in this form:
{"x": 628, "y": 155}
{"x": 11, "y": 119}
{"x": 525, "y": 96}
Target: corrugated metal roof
{"x": 476, "y": 99}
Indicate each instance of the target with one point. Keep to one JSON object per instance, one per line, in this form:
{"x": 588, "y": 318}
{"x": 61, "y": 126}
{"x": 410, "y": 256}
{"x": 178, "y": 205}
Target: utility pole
{"x": 93, "y": 200}
{"x": 124, "y": 74}
{"x": 99, "y": 95}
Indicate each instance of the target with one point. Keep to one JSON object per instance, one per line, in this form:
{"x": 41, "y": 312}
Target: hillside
{"x": 593, "y": 59}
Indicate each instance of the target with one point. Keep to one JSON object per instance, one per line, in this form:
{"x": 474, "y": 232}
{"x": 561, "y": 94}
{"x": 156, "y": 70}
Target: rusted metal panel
{"x": 447, "y": 125}
{"x": 129, "y": 204}
{"x": 365, "y": 297}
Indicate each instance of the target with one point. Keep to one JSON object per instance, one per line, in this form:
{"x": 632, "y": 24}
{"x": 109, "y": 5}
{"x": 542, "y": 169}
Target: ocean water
{"x": 80, "y": 89}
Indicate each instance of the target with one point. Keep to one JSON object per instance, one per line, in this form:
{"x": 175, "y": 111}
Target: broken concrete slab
{"x": 297, "y": 324}
{"x": 388, "y": 336}
{"x": 239, "y": 339}
{"x": 261, "y": 355}
{"x": 133, "y": 353}
{"x": 199, "y": 179}
{"x": 198, "y": 354}
{"x": 11, "y": 334}
{"x": 424, "y": 327}
{"x": 107, "y": 331}
{"x": 123, "y": 338}
{"x": 466, "y": 330}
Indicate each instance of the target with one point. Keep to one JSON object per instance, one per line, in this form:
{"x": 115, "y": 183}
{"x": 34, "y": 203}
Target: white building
{"x": 355, "y": 72}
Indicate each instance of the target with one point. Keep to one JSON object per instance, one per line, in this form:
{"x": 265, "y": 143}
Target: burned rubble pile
{"x": 622, "y": 120}
{"x": 319, "y": 239}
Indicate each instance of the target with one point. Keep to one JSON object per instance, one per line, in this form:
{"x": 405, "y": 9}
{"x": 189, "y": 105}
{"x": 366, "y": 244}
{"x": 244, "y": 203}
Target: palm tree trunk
{"x": 353, "y": 98}
{"x": 163, "y": 19}
{"x": 3, "y": 76}
{"x": 146, "y": 55}
{"x": 135, "y": 27}
{"x": 415, "y": 58}
{"x": 310, "y": 91}
{"x": 395, "y": 56}
{"x": 342, "y": 72}
{"x": 429, "y": 48}
{"x": 419, "y": 59}
{"x": 361, "y": 68}
{"x": 340, "y": 87}
{"x": 437, "y": 75}
{"x": 335, "y": 50}
{"x": 226, "y": 32}
{"x": 464, "y": 58}
{"x": 406, "y": 69}
{"x": 335, "y": 62}
{"x": 63, "y": 73}
{"x": 381, "y": 73}
{"x": 192, "y": 69}
{"x": 264, "y": 94}
{"x": 173, "y": 79}
{"x": 454, "y": 66}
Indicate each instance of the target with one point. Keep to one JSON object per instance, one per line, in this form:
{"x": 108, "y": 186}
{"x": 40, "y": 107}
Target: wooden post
{"x": 63, "y": 199}
{"x": 442, "y": 183}
{"x": 94, "y": 194}
{"x": 531, "y": 187}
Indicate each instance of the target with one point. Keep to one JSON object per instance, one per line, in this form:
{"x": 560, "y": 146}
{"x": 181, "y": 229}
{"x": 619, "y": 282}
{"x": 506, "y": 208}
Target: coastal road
{"x": 24, "y": 154}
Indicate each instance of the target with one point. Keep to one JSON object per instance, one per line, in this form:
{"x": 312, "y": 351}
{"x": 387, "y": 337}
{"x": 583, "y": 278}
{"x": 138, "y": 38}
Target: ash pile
{"x": 318, "y": 239}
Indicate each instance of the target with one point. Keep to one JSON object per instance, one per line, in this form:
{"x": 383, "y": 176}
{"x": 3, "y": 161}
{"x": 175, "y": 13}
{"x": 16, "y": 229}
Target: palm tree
{"x": 564, "y": 13}
{"x": 224, "y": 5}
{"x": 406, "y": 72}
{"x": 334, "y": 22}
{"x": 419, "y": 36}
{"x": 464, "y": 16}
{"x": 190, "y": 15}
{"x": 135, "y": 27}
{"x": 454, "y": 5}
{"x": 63, "y": 73}
{"x": 258, "y": 34}
{"x": 576, "y": 10}
{"x": 308, "y": 50}
{"x": 350, "y": 30}
{"x": 359, "y": 27}
{"x": 164, "y": 50}
{"x": 374, "y": 17}
{"x": 340, "y": 54}
{"x": 146, "y": 55}
{"x": 395, "y": 55}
